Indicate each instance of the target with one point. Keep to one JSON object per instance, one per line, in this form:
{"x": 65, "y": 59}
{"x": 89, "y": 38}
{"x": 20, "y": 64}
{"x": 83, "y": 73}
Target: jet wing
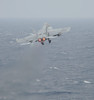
{"x": 31, "y": 38}
{"x": 58, "y": 32}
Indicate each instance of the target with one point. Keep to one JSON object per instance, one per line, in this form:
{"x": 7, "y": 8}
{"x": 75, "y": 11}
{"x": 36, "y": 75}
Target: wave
{"x": 46, "y": 93}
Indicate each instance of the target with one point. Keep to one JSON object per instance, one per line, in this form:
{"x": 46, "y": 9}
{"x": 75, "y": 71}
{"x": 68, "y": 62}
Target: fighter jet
{"x": 46, "y": 33}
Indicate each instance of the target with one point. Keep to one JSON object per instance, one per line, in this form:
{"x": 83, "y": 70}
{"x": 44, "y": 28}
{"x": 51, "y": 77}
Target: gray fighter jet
{"x": 46, "y": 33}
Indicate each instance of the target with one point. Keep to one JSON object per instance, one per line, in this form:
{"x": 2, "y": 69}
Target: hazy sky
{"x": 46, "y": 8}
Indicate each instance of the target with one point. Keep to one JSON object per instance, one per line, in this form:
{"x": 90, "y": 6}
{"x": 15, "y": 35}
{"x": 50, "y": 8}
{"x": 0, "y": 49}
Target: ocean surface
{"x": 62, "y": 70}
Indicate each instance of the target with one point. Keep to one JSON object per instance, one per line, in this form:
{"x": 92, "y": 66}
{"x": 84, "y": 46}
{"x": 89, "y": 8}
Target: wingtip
{"x": 69, "y": 28}
{"x": 18, "y": 41}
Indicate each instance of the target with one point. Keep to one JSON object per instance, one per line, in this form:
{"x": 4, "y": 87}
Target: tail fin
{"x": 45, "y": 27}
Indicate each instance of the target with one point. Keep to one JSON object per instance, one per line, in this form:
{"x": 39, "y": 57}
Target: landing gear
{"x": 49, "y": 40}
{"x": 42, "y": 43}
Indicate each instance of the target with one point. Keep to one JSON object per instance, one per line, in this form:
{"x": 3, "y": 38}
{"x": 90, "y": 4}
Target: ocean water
{"x": 62, "y": 70}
